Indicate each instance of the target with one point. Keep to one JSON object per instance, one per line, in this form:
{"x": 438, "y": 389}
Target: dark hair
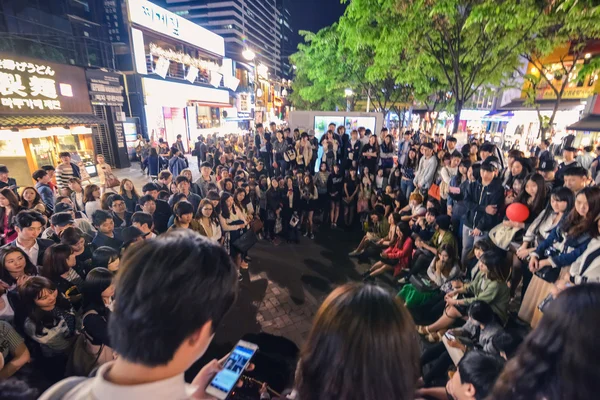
{"x": 182, "y": 208}
{"x": 13, "y": 202}
{"x": 39, "y": 174}
{"x": 113, "y": 198}
{"x": 353, "y": 347}
{"x": 576, "y": 171}
{"x": 96, "y": 282}
{"x": 99, "y": 217}
{"x": 433, "y": 211}
{"x": 36, "y": 200}
{"x": 17, "y": 389}
{"x": 29, "y": 292}
{"x": 575, "y": 224}
{"x": 64, "y": 154}
{"x": 164, "y": 175}
{"x": 396, "y": 218}
{"x": 539, "y": 201}
{"x": 494, "y": 261}
{"x": 71, "y": 236}
{"x": 25, "y": 218}
{"x": 181, "y": 280}
{"x": 451, "y": 251}
{"x": 481, "y": 312}
{"x": 30, "y": 268}
{"x": 558, "y": 360}
{"x": 123, "y": 191}
{"x": 103, "y": 256}
{"x": 504, "y": 341}
{"x": 55, "y": 261}
{"x": 480, "y": 370}
{"x": 181, "y": 179}
{"x": 142, "y": 218}
{"x": 145, "y": 198}
{"x": 223, "y": 205}
{"x": 88, "y": 193}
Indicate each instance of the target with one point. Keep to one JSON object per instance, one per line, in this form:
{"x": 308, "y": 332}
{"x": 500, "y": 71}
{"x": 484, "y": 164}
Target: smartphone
{"x": 449, "y": 336}
{"x": 224, "y": 382}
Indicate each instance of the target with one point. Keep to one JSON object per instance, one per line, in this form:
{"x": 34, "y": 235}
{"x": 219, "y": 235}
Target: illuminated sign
{"x": 105, "y": 88}
{"x": 151, "y": 16}
{"x": 36, "y": 87}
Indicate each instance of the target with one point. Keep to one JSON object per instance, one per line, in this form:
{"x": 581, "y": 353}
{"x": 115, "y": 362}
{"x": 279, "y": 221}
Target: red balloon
{"x": 517, "y": 212}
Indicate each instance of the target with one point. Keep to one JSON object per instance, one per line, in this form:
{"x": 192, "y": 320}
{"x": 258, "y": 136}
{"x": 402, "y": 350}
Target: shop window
{"x": 208, "y": 117}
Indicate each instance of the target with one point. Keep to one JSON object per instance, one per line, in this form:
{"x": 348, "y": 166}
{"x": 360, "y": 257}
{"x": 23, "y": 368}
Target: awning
{"x": 498, "y": 116}
{"x": 22, "y": 121}
{"x": 589, "y": 123}
{"x": 545, "y": 105}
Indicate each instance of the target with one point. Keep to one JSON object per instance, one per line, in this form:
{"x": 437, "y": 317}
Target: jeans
{"x": 468, "y": 241}
{"x": 407, "y": 187}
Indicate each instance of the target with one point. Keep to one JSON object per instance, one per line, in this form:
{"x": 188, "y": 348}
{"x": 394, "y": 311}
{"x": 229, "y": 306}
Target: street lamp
{"x": 248, "y": 54}
{"x": 348, "y": 92}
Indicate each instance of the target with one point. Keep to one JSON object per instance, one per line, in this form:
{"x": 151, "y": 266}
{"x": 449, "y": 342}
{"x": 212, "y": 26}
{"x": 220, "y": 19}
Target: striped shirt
{"x": 63, "y": 174}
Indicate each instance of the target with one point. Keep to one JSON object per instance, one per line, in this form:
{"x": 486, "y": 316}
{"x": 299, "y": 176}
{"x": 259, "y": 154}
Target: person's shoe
{"x": 305, "y": 234}
{"x": 260, "y": 236}
{"x": 334, "y": 225}
{"x": 355, "y": 253}
{"x": 311, "y": 236}
{"x": 240, "y": 277}
{"x": 248, "y": 259}
{"x": 403, "y": 281}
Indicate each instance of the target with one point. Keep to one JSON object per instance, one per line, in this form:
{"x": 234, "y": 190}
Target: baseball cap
{"x": 62, "y": 219}
{"x": 62, "y": 207}
{"x": 547, "y": 166}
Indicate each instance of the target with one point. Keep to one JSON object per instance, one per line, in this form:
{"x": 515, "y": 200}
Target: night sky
{"x": 312, "y": 15}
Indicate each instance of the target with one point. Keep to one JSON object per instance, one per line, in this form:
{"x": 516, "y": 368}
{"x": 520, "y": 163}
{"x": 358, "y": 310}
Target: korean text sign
{"x": 29, "y": 86}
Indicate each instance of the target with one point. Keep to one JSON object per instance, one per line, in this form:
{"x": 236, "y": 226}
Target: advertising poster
{"x": 322, "y": 122}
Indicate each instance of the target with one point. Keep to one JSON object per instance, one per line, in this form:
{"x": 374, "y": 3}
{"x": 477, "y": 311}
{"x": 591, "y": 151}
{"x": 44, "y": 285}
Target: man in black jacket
{"x": 484, "y": 200}
{"x": 262, "y": 141}
{"x": 29, "y": 224}
{"x": 162, "y": 211}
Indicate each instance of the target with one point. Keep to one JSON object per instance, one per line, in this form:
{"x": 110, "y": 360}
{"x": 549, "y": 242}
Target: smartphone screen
{"x": 234, "y": 366}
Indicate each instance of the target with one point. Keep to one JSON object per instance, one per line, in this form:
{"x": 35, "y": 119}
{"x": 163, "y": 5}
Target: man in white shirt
{"x": 29, "y": 225}
{"x": 172, "y": 294}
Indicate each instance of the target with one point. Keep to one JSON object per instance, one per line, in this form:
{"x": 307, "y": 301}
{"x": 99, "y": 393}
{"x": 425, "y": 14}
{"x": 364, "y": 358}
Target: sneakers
{"x": 355, "y": 253}
{"x": 402, "y": 281}
{"x": 311, "y": 236}
{"x": 305, "y": 234}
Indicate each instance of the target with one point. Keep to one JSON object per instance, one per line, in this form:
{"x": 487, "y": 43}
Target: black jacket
{"x": 476, "y": 198}
{"x": 273, "y": 199}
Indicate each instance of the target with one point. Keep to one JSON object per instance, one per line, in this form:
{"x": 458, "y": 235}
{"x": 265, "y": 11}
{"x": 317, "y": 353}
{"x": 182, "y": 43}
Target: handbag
{"x": 422, "y": 284}
{"x": 111, "y": 180}
{"x": 85, "y": 356}
{"x": 549, "y": 274}
{"x": 246, "y": 241}
{"x": 502, "y": 236}
{"x": 434, "y": 191}
{"x": 256, "y": 225}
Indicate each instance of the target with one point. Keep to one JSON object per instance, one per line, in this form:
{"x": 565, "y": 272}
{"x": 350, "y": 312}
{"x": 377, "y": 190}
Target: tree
{"x": 567, "y": 23}
{"x": 463, "y": 43}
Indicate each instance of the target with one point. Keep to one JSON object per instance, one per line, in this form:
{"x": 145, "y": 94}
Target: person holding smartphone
{"x": 162, "y": 323}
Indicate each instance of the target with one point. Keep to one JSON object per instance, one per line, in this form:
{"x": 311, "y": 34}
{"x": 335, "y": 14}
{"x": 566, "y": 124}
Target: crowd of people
{"x": 461, "y": 233}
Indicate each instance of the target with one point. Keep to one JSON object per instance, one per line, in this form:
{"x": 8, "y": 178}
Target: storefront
{"x": 181, "y": 80}
{"x": 44, "y": 110}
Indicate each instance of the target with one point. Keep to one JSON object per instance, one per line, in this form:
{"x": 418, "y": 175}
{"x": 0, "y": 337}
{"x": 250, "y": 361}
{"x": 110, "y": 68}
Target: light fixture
{"x": 534, "y": 70}
{"x": 348, "y": 92}
{"x": 248, "y": 54}
{"x": 263, "y": 70}
{"x": 294, "y": 67}
{"x": 259, "y": 92}
{"x": 284, "y": 92}
{"x": 588, "y": 56}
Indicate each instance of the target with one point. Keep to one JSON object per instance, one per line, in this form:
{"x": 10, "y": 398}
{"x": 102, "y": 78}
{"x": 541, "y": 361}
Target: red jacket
{"x": 401, "y": 251}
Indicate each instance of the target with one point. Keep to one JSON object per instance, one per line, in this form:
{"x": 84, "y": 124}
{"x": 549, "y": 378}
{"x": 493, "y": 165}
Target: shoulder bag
{"x": 246, "y": 241}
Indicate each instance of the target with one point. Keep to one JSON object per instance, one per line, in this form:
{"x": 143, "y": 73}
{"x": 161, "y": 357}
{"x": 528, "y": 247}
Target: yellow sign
{"x": 569, "y": 93}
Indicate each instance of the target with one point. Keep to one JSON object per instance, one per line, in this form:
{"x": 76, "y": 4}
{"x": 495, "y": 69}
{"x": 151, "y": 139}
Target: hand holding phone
{"x": 230, "y": 370}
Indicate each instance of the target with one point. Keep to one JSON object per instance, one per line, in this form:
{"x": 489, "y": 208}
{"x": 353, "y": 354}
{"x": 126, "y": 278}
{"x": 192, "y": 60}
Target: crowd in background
{"x": 461, "y": 233}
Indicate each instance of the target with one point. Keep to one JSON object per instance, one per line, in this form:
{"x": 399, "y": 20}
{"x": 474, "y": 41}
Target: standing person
{"x": 330, "y": 147}
{"x": 447, "y": 173}
{"x": 568, "y": 161}
{"x": 274, "y": 205}
{"x": 335, "y": 187}
{"x": 409, "y": 167}
{"x": 104, "y": 170}
{"x": 91, "y": 200}
{"x": 371, "y": 316}
{"x": 262, "y": 141}
{"x": 138, "y": 145}
{"x": 404, "y": 147}
{"x": 291, "y": 201}
{"x": 279, "y": 145}
{"x": 308, "y": 199}
{"x": 154, "y": 163}
{"x": 425, "y": 173}
{"x": 42, "y": 186}
{"x": 370, "y": 154}
{"x": 314, "y": 145}
{"x": 484, "y": 200}
{"x": 179, "y": 145}
{"x": 177, "y": 162}
{"x": 5, "y": 180}
{"x": 321, "y": 182}
{"x": 9, "y": 207}
{"x": 142, "y": 369}
{"x": 129, "y": 194}
{"x": 352, "y": 151}
{"x": 387, "y": 154}
{"x": 304, "y": 152}
{"x": 77, "y": 194}
{"x": 233, "y": 225}
{"x": 350, "y": 196}
{"x": 201, "y": 150}
{"x": 65, "y": 171}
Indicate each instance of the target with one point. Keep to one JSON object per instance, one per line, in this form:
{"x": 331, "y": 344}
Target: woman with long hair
{"x": 50, "y": 322}
{"x": 58, "y": 266}
{"x": 398, "y": 253}
{"x": 31, "y": 200}
{"x": 15, "y": 266}
{"x": 572, "y": 236}
{"x": 330, "y": 149}
{"x": 321, "y": 181}
{"x": 290, "y": 212}
{"x": 127, "y": 190}
{"x": 274, "y": 207}
{"x": 489, "y": 286}
{"x": 76, "y": 239}
{"x": 279, "y": 147}
{"x": 234, "y": 226}
{"x": 91, "y": 199}
{"x": 308, "y": 200}
{"x": 519, "y": 170}
{"x": 352, "y": 349}
{"x": 455, "y": 205}
{"x": 388, "y": 150}
{"x": 9, "y": 207}
{"x": 103, "y": 170}
{"x": 335, "y": 186}
{"x": 350, "y": 197}
{"x": 209, "y": 221}
{"x": 558, "y": 360}
{"x": 154, "y": 163}
{"x": 534, "y": 197}
{"x": 407, "y": 185}
{"x": 106, "y": 257}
